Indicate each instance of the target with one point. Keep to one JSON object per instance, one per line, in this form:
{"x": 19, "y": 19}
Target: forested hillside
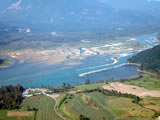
{"x": 149, "y": 59}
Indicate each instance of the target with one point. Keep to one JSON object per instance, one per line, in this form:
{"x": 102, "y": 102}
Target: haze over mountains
{"x": 71, "y": 15}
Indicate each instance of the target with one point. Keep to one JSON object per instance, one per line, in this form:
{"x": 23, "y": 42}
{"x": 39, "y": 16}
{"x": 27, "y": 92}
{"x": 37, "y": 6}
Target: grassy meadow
{"x": 89, "y": 86}
{"x": 4, "y": 115}
{"x": 148, "y": 82}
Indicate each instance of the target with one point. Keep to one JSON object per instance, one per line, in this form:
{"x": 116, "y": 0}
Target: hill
{"x": 148, "y": 59}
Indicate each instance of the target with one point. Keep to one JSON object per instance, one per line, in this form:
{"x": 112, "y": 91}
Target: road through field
{"x": 54, "y": 96}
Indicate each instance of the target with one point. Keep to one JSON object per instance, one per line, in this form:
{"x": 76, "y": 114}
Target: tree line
{"x": 11, "y": 97}
{"x": 135, "y": 98}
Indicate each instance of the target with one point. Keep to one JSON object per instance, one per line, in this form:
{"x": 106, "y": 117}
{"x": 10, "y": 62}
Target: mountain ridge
{"x": 75, "y": 14}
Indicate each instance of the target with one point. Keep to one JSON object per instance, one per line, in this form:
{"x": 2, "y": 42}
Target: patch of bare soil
{"x": 19, "y": 114}
{"x": 54, "y": 96}
{"x": 130, "y": 89}
{"x": 153, "y": 107}
{"x": 89, "y": 102}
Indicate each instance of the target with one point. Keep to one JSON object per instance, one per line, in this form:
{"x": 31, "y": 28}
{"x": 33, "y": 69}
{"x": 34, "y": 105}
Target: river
{"x": 100, "y": 67}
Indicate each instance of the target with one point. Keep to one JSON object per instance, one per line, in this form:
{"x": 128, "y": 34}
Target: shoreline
{"x": 135, "y": 64}
{"x": 115, "y": 61}
{"x": 142, "y": 71}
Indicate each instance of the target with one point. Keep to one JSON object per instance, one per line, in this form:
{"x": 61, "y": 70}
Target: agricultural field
{"x": 45, "y": 106}
{"x": 148, "y": 82}
{"x": 97, "y": 106}
{"x": 89, "y": 86}
{"x": 16, "y": 115}
{"x": 151, "y": 103}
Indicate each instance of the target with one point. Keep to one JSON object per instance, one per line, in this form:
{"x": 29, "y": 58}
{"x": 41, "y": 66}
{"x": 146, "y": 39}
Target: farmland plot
{"x": 45, "y": 106}
{"x": 97, "y": 106}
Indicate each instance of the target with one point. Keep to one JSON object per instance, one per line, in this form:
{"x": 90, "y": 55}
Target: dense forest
{"x": 149, "y": 59}
{"x": 11, "y": 97}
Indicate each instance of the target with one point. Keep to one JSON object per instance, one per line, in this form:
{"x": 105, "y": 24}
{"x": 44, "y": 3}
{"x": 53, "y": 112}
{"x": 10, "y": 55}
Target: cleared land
{"x": 130, "y": 89}
{"x": 16, "y": 115}
{"x": 45, "y": 106}
{"x": 19, "y": 114}
{"x": 97, "y": 106}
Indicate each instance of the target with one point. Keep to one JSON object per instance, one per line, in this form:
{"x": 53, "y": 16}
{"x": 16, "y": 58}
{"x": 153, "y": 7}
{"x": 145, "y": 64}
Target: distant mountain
{"x": 79, "y": 14}
{"x": 149, "y": 59}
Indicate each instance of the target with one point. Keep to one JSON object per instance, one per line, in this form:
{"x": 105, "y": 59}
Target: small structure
{"x": 34, "y": 92}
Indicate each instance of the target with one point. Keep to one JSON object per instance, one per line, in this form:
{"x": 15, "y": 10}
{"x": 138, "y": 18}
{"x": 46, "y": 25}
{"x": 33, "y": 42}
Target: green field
{"x": 89, "y": 86}
{"x": 3, "y": 116}
{"x": 148, "y": 82}
{"x": 97, "y": 106}
{"x": 32, "y": 92}
{"x": 45, "y": 106}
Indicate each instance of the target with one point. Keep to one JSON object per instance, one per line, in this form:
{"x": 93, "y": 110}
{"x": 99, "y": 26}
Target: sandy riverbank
{"x": 136, "y": 64}
{"x": 67, "y": 53}
{"x": 51, "y": 56}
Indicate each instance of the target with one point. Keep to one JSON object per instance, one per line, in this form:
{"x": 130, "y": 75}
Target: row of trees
{"x": 65, "y": 87}
{"x": 82, "y": 117}
{"x": 135, "y": 98}
{"x": 135, "y": 78}
{"x": 11, "y": 97}
{"x": 87, "y": 81}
